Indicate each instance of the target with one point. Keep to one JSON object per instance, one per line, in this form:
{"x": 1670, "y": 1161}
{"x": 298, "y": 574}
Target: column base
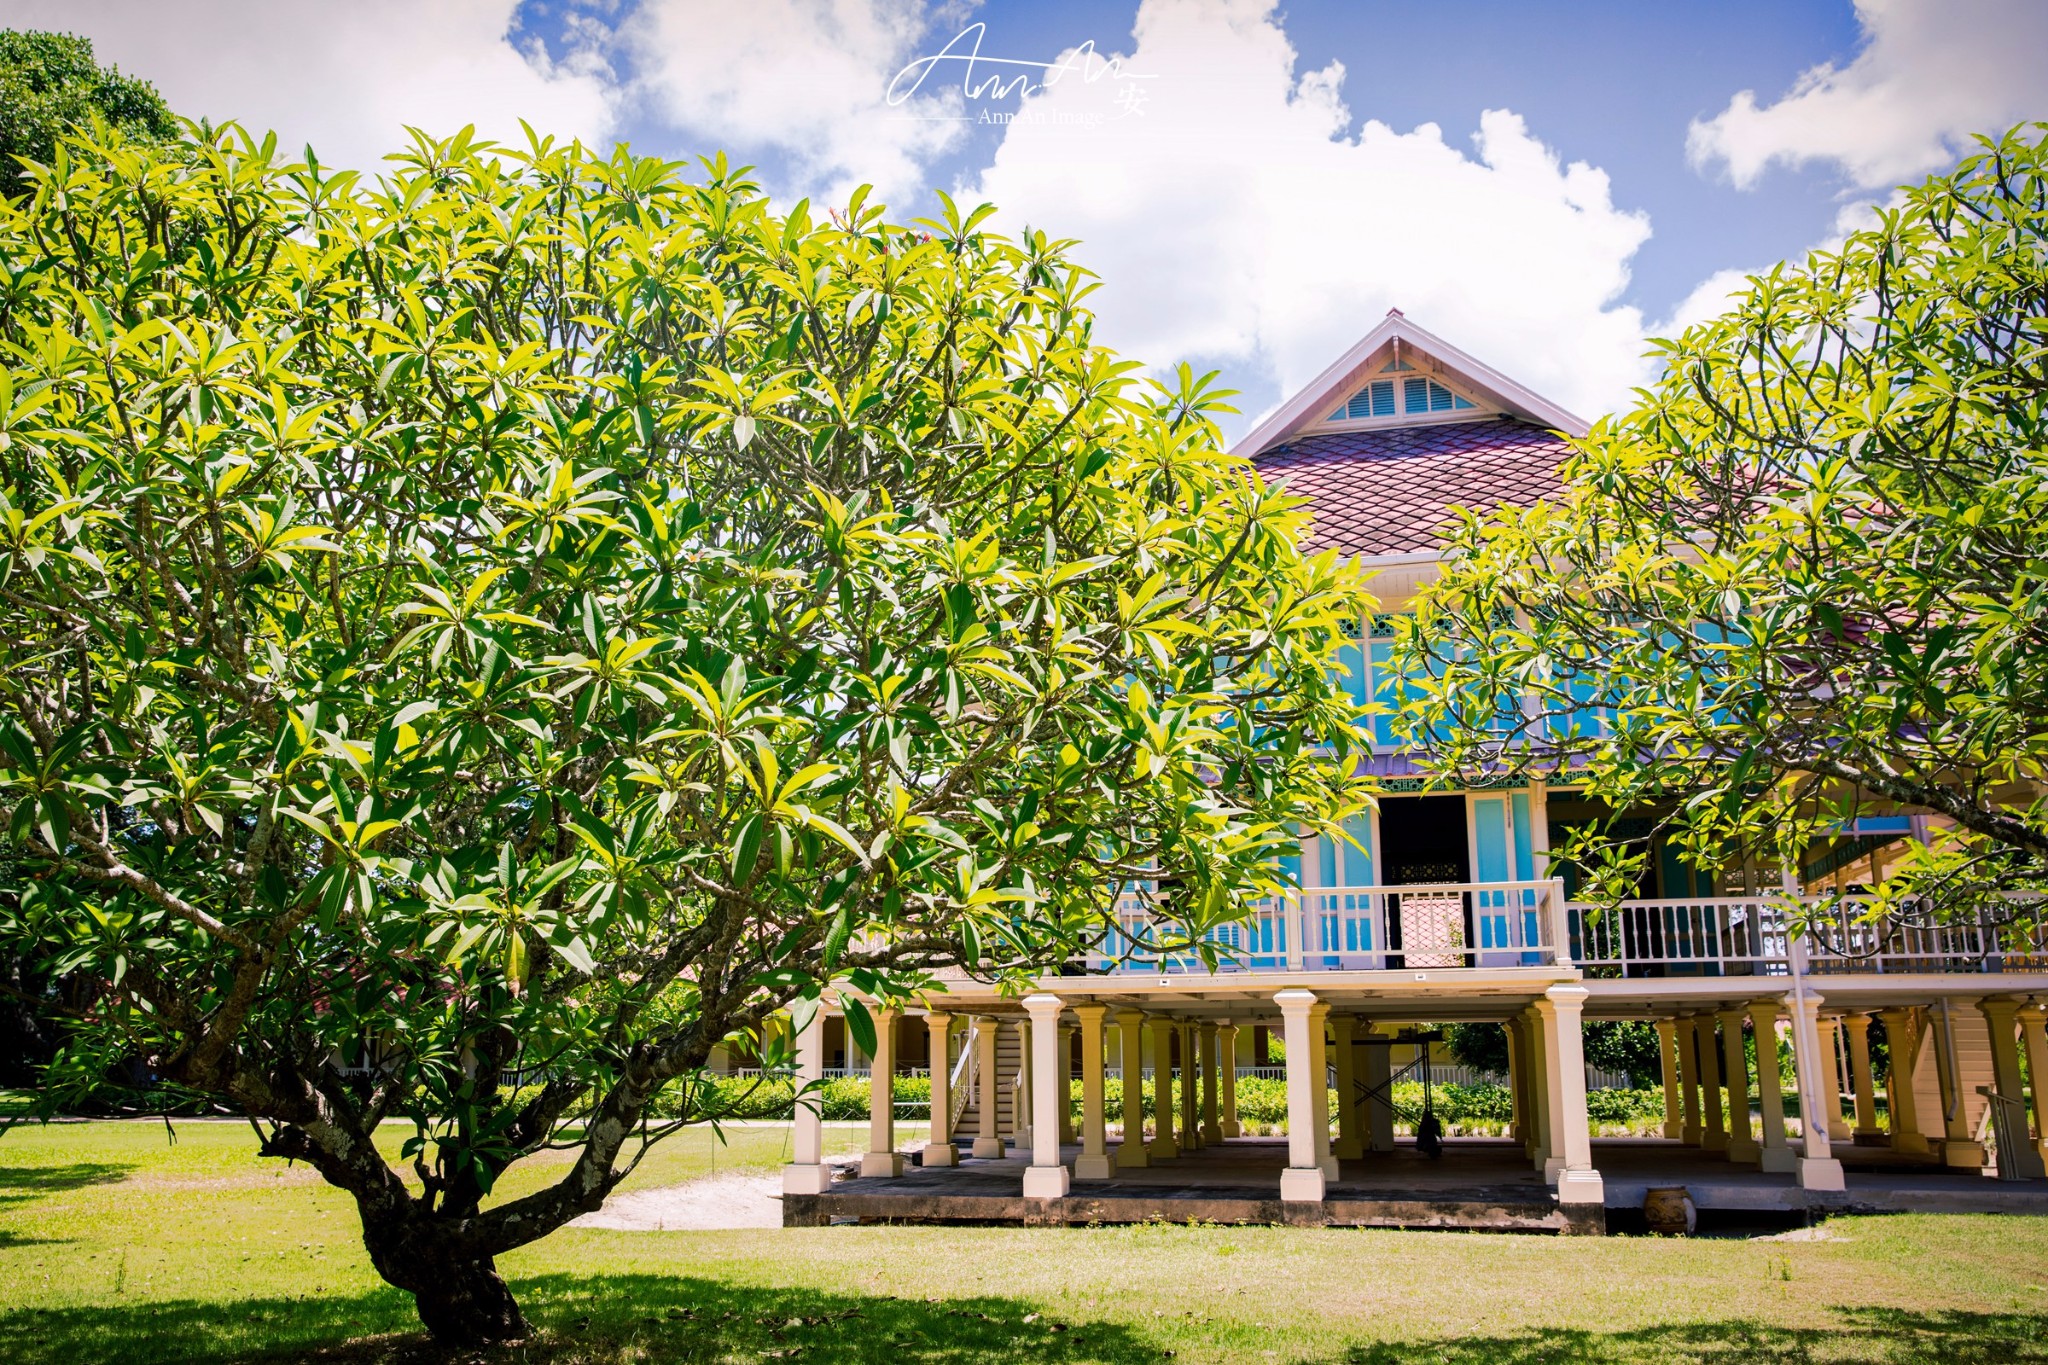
{"x": 1045, "y": 1182}
{"x": 1820, "y": 1173}
{"x": 1714, "y": 1142}
{"x": 1870, "y": 1137}
{"x": 1674, "y": 1130}
{"x": 1779, "y": 1160}
{"x": 1131, "y": 1157}
{"x": 1328, "y": 1166}
{"x": 1964, "y": 1156}
{"x": 939, "y": 1154}
{"x": 1749, "y": 1154}
{"x": 806, "y": 1179}
{"x": 1092, "y": 1167}
{"x": 1348, "y": 1150}
{"x": 885, "y": 1165}
{"x": 1299, "y": 1186}
{"x": 1211, "y": 1134}
{"x": 1232, "y": 1128}
{"x": 1162, "y": 1149}
{"x": 1581, "y": 1187}
{"x": 1690, "y": 1136}
{"x": 1912, "y": 1144}
{"x": 989, "y": 1148}
{"x": 1553, "y": 1168}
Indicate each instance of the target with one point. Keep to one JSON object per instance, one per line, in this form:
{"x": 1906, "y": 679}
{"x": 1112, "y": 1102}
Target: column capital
{"x": 1294, "y": 1000}
{"x": 1567, "y": 995}
{"x": 1127, "y": 1014}
{"x": 1090, "y": 1009}
{"x": 1764, "y": 1011}
{"x": 2009, "y": 1005}
{"x": 1043, "y": 1005}
{"x": 1208, "y": 1028}
{"x": 937, "y": 1017}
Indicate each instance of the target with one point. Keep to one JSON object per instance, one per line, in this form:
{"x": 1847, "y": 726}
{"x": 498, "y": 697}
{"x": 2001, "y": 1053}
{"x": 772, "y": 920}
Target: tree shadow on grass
{"x": 21, "y": 1184}
{"x": 1860, "y": 1336}
{"x": 579, "y": 1320}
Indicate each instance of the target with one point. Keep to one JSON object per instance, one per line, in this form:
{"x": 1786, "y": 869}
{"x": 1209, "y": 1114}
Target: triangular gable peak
{"x": 1401, "y": 375}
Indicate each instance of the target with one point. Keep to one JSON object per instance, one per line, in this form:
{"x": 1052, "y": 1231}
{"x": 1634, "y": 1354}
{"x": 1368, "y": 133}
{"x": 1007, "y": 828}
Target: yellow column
{"x": 1065, "y": 1088}
{"x": 1902, "y": 1038}
{"x": 1319, "y": 1073}
{"x": 1517, "y": 1073}
{"x": 1130, "y": 1153}
{"x": 988, "y": 1143}
{"x": 1715, "y": 1136}
{"x": 1163, "y": 1145}
{"x": 1690, "y": 1132}
{"x": 1226, "y": 1040}
{"x": 1861, "y": 1081}
{"x": 1835, "y": 1056}
{"x": 1093, "y": 1162}
{"x": 1350, "y": 1142}
{"x": 2034, "y": 1028}
{"x": 1741, "y": 1138}
{"x": 1775, "y": 1154}
{"x": 1190, "y": 1093}
{"x": 882, "y": 1159}
{"x": 1212, "y": 1131}
{"x": 1667, "y": 1048}
{"x": 2001, "y": 1020}
{"x": 939, "y": 1149}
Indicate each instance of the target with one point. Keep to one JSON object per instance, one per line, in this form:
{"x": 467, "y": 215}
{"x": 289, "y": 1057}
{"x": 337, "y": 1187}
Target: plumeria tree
{"x": 542, "y": 610}
{"x": 1806, "y": 577}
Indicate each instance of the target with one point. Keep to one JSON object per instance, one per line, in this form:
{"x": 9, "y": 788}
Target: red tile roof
{"x": 1387, "y": 490}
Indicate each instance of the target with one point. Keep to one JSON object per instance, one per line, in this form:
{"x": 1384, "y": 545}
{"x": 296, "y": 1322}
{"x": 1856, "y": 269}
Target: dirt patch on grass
{"x": 712, "y": 1203}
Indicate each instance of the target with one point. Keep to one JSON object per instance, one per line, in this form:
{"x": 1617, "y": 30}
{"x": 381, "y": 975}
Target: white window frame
{"x": 1418, "y": 368}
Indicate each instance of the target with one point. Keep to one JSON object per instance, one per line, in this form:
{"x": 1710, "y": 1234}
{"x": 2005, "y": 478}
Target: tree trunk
{"x": 461, "y": 1297}
{"x": 466, "y": 1303}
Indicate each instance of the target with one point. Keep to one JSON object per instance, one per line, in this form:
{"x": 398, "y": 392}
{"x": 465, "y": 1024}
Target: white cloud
{"x": 1931, "y": 73}
{"x": 1235, "y": 220}
{"x": 808, "y": 78}
{"x": 346, "y": 77}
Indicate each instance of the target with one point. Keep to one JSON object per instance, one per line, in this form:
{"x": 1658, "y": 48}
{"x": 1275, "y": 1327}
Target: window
{"x": 1411, "y": 395}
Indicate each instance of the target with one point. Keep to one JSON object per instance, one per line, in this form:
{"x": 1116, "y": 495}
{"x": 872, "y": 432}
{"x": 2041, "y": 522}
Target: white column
{"x": 1302, "y": 1182}
{"x": 1130, "y": 1153}
{"x": 1093, "y": 1163}
{"x": 1319, "y": 1015}
{"x": 988, "y": 1143}
{"x": 807, "y": 1172}
{"x": 1212, "y": 1131}
{"x": 1226, "y": 1040}
{"x": 1817, "y": 1169}
{"x": 1564, "y": 1063}
{"x": 882, "y": 1160}
{"x": 1775, "y": 1154}
{"x": 1047, "y": 1177}
{"x": 939, "y": 1150}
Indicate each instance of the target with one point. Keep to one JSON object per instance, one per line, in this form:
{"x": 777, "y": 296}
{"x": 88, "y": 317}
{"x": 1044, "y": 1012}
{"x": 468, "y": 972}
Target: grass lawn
{"x": 118, "y": 1245}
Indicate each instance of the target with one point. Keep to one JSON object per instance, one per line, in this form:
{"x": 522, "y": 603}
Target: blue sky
{"x": 1546, "y": 184}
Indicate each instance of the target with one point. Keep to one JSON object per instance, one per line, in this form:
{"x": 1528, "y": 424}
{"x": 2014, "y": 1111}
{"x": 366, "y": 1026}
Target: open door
{"x": 1505, "y": 923}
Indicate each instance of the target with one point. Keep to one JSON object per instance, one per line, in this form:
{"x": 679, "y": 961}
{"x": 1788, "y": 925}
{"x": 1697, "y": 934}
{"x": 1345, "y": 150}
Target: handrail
{"x": 965, "y": 1073}
{"x": 2018, "y": 1159}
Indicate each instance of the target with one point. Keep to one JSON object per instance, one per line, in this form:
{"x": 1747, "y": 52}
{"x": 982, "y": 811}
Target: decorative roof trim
{"x": 1311, "y": 405}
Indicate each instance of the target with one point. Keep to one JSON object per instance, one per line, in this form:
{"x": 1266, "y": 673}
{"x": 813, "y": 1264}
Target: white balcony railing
{"x": 1749, "y": 936}
{"x": 1529, "y": 923}
{"x": 1356, "y": 928}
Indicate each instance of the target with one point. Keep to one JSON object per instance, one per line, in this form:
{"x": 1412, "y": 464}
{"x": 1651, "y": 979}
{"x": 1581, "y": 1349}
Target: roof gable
{"x": 1377, "y": 358}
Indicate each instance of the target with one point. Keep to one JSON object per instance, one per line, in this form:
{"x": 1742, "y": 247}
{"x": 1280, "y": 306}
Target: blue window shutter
{"x": 1416, "y": 393}
{"x": 1358, "y": 861}
{"x": 1383, "y": 398}
{"x": 1458, "y": 402}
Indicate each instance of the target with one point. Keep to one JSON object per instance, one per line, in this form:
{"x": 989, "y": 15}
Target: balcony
{"x": 1450, "y": 925}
